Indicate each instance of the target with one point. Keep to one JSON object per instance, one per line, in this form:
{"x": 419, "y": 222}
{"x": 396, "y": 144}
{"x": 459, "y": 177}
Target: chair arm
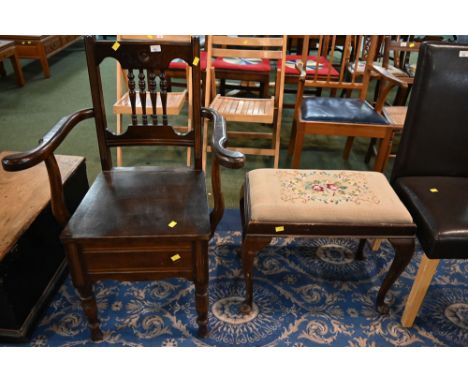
{"x": 47, "y": 145}
{"x": 302, "y": 72}
{"x": 388, "y": 76}
{"x": 228, "y": 158}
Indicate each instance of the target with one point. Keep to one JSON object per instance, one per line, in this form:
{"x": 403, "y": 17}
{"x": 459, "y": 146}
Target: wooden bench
{"x": 40, "y": 47}
{"x": 32, "y": 259}
{"x": 323, "y": 203}
{"x": 8, "y": 50}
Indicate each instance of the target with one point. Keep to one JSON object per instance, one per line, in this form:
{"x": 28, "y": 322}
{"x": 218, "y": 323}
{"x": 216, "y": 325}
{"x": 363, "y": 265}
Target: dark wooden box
{"x": 33, "y": 263}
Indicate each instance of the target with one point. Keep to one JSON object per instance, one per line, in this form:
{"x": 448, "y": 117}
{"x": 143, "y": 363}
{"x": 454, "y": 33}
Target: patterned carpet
{"x": 307, "y": 293}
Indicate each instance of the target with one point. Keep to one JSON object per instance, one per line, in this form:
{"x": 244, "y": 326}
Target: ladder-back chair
{"x": 338, "y": 116}
{"x": 139, "y": 223}
{"x": 249, "y": 110}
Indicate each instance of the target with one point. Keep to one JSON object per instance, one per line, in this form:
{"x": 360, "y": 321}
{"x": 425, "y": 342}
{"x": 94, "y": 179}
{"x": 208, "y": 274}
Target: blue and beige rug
{"x": 307, "y": 293}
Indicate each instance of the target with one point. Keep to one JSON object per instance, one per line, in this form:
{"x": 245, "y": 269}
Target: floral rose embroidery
{"x": 326, "y": 187}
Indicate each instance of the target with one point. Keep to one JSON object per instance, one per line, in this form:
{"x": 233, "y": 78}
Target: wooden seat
{"x": 249, "y": 110}
{"x": 139, "y": 223}
{"x": 175, "y": 102}
{"x": 245, "y": 109}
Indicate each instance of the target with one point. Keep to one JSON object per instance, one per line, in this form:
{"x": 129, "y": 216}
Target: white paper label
{"x": 463, "y": 53}
{"x": 155, "y": 48}
{"x": 403, "y": 44}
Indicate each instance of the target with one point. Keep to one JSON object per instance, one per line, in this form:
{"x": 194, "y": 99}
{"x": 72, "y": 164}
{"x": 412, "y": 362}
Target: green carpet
{"x": 27, "y": 113}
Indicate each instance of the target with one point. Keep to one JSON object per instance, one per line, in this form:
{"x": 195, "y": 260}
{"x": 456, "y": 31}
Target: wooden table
{"x": 32, "y": 259}
{"x": 8, "y": 50}
{"x": 40, "y": 47}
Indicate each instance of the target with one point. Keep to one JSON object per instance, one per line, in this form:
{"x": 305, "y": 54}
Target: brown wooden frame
{"x": 385, "y": 132}
{"x": 260, "y": 47}
{"x": 257, "y": 235}
{"x": 79, "y": 249}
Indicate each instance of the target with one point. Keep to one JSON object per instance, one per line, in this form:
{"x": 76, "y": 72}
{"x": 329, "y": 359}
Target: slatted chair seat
{"x": 175, "y": 103}
{"x": 245, "y": 109}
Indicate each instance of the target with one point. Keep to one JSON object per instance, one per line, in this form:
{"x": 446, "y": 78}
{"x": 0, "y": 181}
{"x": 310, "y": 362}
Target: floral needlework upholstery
{"x": 328, "y": 196}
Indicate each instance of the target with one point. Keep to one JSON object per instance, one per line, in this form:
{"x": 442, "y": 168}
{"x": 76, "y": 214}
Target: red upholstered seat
{"x": 238, "y": 63}
{"x": 323, "y": 65}
{"x": 180, "y": 64}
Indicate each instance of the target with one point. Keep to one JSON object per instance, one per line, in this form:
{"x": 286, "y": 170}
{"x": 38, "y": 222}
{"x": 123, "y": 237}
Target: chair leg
{"x": 348, "y": 147}
{"x": 292, "y": 138}
{"x": 2, "y": 69}
{"x": 360, "y": 249}
{"x": 298, "y": 145}
{"x": 404, "y": 250}
{"x": 250, "y": 247}
{"x": 201, "y": 286}
{"x": 426, "y": 271}
{"x": 370, "y": 150}
{"x": 18, "y": 71}
{"x": 88, "y": 303}
{"x": 85, "y": 290}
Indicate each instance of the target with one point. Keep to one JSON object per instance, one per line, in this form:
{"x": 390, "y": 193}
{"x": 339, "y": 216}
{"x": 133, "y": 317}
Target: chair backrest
{"x": 400, "y": 48}
{"x": 435, "y": 134}
{"x": 338, "y": 54}
{"x": 137, "y": 57}
{"x": 245, "y": 47}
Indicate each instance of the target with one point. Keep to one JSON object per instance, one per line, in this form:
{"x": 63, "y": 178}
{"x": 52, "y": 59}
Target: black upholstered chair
{"x": 430, "y": 173}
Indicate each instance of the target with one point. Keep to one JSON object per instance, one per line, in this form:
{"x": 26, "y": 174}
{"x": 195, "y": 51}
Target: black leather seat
{"x": 345, "y": 110}
{"x": 430, "y": 173}
{"x": 439, "y": 208}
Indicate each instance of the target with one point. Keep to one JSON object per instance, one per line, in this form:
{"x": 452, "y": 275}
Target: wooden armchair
{"x": 138, "y": 223}
{"x": 351, "y": 117}
{"x": 252, "y": 110}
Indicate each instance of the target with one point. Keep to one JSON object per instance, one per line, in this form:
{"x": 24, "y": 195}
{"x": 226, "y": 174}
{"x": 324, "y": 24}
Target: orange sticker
{"x": 279, "y": 229}
{"x": 411, "y": 45}
{"x": 196, "y": 60}
{"x": 176, "y": 257}
{"x": 172, "y": 224}
{"x": 116, "y": 45}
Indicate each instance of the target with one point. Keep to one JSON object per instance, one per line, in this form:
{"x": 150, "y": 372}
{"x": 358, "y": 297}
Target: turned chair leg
{"x": 201, "y": 287}
{"x": 404, "y": 249}
{"x": 426, "y": 271}
{"x": 88, "y": 303}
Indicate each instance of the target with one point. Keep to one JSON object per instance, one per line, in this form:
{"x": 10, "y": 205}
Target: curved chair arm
{"x": 45, "y": 153}
{"x": 47, "y": 144}
{"x": 228, "y": 158}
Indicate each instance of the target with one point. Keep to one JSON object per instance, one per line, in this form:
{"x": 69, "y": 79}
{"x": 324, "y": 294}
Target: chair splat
{"x": 142, "y": 86}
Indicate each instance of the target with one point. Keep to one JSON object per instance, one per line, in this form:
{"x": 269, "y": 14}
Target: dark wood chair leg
{"x": 88, "y": 303}
{"x": 360, "y": 249}
{"x": 250, "y": 247}
{"x": 85, "y": 290}
{"x": 18, "y": 71}
{"x": 201, "y": 287}
{"x": 222, "y": 86}
{"x": 404, "y": 250}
